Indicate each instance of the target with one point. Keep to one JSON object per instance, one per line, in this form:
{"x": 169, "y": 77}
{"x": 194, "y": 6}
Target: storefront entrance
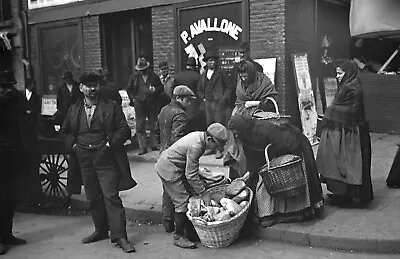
{"x": 125, "y": 36}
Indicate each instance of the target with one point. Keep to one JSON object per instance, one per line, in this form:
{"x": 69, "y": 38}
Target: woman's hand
{"x": 249, "y": 104}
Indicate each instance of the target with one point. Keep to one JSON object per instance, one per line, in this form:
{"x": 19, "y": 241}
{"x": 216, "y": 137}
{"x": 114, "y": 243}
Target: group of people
{"x": 94, "y": 130}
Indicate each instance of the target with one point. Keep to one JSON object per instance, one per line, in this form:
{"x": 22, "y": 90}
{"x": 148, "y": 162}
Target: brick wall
{"x": 267, "y": 39}
{"x": 91, "y": 43}
{"x": 163, "y": 36}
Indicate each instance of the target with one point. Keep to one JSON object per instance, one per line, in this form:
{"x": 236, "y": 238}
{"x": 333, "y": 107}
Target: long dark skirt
{"x": 363, "y": 192}
{"x": 393, "y": 179}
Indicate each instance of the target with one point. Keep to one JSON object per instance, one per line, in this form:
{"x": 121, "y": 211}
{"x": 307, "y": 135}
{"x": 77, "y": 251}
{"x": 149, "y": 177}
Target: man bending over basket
{"x": 178, "y": 169}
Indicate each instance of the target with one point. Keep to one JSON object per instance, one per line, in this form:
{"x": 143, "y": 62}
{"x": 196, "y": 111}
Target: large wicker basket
{"x": 220, "y": 233}
{"x": 285, "y": 177}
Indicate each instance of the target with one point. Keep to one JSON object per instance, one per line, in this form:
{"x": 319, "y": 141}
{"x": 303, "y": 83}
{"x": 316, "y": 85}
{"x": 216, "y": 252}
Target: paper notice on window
{"x": 269, "y": 67}
{"x": 49, "y": 105}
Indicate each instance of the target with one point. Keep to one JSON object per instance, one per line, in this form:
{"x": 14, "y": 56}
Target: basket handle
{"x": 275, "y": 104}
{"x": 266, "y": 155}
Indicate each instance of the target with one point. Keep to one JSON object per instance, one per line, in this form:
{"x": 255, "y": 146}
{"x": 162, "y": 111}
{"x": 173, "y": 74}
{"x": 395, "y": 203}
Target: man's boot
{"x": 179, "y": 238}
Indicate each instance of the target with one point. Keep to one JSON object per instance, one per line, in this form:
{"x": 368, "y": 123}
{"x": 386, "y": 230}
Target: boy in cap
{"x": 95, "y": 130}
{"x": 172, "y": 124}
{"x": 178, "y": 169}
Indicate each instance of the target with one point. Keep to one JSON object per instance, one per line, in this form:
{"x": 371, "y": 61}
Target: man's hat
{"x": 67, "y": 74}
{"x": 191, "y": 62}
{"x": 218, "y": 132}
{"x": 244, "y": 47}
{"x": 210, "y": 54}
{"x": 142, "y": 64}
{"x": 7, "y": 77}
{"x": 183, "y": 90}
{"x": 89, "y": 78}
{"x": 163, "y": 64}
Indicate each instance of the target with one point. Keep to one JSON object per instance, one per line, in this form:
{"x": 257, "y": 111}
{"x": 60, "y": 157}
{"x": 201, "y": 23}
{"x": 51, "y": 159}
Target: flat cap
{"x": 183, "y": 90}
{"x": 89, "y": 78}
{"x": 218, "y": 132}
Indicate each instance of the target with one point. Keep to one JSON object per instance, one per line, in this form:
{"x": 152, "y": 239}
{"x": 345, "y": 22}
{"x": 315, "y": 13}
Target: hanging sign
{"x": 308, "y": 112}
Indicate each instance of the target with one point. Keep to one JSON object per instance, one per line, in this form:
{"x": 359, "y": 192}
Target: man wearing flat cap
{"x": 67, "y": 94}
{"x": 95, "y": 130}
{"x": 215, "y": 90}
{"x": 190, "y": 77}
{"x": 178, "y": 169}
{"x": 172, "y": 124}
{"x": 143, "y": 88}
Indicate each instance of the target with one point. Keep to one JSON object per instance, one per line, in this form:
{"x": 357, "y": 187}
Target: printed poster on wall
{"x": 308, "y": 112}
{"x": 269, "y": 67}
{"x": 49, "y": 105}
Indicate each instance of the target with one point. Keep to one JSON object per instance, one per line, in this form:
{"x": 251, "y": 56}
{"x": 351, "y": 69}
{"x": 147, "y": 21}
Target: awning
{"x": 375, "y": 18}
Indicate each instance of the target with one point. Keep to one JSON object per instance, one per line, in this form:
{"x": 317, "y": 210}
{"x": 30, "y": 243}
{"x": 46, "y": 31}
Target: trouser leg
{"x": 140, "y": 111}
{"x": 152, "y": 114}
{"x": 93, "y": 190}
{"x": 6, "y": 218}
{"x": 109, "y": 180}
{"x": 210, "y": 114}
{"x": 168, "y": 211}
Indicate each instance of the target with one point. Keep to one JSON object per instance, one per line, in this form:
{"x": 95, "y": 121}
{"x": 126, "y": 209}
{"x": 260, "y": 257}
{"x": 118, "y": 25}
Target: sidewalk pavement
{"x": 374, "y": 228}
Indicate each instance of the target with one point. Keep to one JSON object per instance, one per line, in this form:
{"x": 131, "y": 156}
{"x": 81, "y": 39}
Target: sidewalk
{"x": 374, "y": 228}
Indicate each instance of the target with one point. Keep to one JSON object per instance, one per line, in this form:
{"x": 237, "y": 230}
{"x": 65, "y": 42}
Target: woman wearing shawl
{"x": 245, "y": 152}
{"x": 344, "y": 153}
{"x": 252, "y": 90}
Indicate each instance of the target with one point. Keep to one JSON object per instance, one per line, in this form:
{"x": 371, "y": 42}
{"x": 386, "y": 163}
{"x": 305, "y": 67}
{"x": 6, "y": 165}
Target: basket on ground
{"x": 284, "y": 176}
{"x": 221, "y": 233}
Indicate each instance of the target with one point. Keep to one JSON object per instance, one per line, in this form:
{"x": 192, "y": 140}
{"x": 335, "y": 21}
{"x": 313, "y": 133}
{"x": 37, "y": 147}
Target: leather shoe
{"x": 14, "y": 241}
{"x": 183, "y": 242}
{"x": 124, "y": 244}
{"x": 2, "y": 249}
{"x": 94, "y": 237}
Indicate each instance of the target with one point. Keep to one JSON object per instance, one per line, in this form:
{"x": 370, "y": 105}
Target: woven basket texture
{"x": 221, "y": 233}
{"x": 284, "y": 179}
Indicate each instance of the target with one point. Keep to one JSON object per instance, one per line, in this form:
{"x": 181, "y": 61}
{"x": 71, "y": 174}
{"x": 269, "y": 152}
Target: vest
{"x": 93, "y": 136}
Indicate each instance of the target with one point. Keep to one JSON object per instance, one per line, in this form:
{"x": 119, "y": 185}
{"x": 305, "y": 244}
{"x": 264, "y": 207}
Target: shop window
{"x": 5, "y": 10}
{"x": 60, "y": 49}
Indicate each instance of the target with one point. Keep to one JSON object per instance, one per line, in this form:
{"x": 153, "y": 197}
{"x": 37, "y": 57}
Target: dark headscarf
{"x": 347, "y": 109}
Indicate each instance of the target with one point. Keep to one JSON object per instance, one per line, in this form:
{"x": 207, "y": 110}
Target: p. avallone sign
{"x": 33, "y": 4}
{"x": 211, "y": 24}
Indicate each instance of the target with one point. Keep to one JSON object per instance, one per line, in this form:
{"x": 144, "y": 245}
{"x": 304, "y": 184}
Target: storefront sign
{"x": 33, "y": 4}
{"x": 217, "y": 26}
{"x": 49, "y": 105}
{"x": 308, "y": 112}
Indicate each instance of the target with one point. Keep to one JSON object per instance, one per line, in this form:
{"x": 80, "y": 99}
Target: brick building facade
{"x": 274, "y": 28}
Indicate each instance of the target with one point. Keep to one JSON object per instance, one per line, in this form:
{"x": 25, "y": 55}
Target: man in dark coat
{"x": 190, "y": 77}
{"x": 67, "y": 94}
{"x": 95, "y": 130}
{"x": 172, "y": 125}
{"x": 167, "y": 80}
{"x": 12, "y": 178}
{"x": 215, "y": 89}
{"x": 143, "y": 88}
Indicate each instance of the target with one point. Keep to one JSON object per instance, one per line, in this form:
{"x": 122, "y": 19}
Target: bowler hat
{"x": 163, "y": 64}
{"x": 244, "y": 47}
{"x": 142, "y": 64}
{"x": 89, "y": 78}
{"x": 191, "y": 62}
{"x": 67, "y": 74}
{"x": 210, "y": 54}
{"x": 218, "y": 132}
{"x": 183, "y": 90}
{"x": 7, "y": 77}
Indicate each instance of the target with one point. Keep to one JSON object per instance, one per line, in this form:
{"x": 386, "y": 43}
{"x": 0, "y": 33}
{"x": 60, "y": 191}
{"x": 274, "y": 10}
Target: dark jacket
{"x": 153, "y": 79}
{"x": 171, "y": 125}
{"x": 65, "y": 99}
{"x": 190, "y": 78}
{"x": 116, "y": 129}
{"x": 31, "y": 120}
{"x": 222, "y": 87}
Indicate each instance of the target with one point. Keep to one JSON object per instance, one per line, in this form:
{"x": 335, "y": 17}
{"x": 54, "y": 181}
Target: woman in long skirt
{"x": 344, "y": 152}
{"x": 245, "y": 152}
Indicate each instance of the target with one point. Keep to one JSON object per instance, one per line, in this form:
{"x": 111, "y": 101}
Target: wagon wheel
{"x": 53, "y": 175}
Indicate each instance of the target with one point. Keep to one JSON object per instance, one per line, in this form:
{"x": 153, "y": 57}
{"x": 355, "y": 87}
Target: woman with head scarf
{"x": 245, "y": 152}
{"x": 253, "y": 90}
{"x": 344, "y": 153}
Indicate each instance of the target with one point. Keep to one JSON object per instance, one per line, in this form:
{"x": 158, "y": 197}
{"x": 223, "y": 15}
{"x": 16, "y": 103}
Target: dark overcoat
{"x": 117, "y": 132}
{"x": 65, "y": 99}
